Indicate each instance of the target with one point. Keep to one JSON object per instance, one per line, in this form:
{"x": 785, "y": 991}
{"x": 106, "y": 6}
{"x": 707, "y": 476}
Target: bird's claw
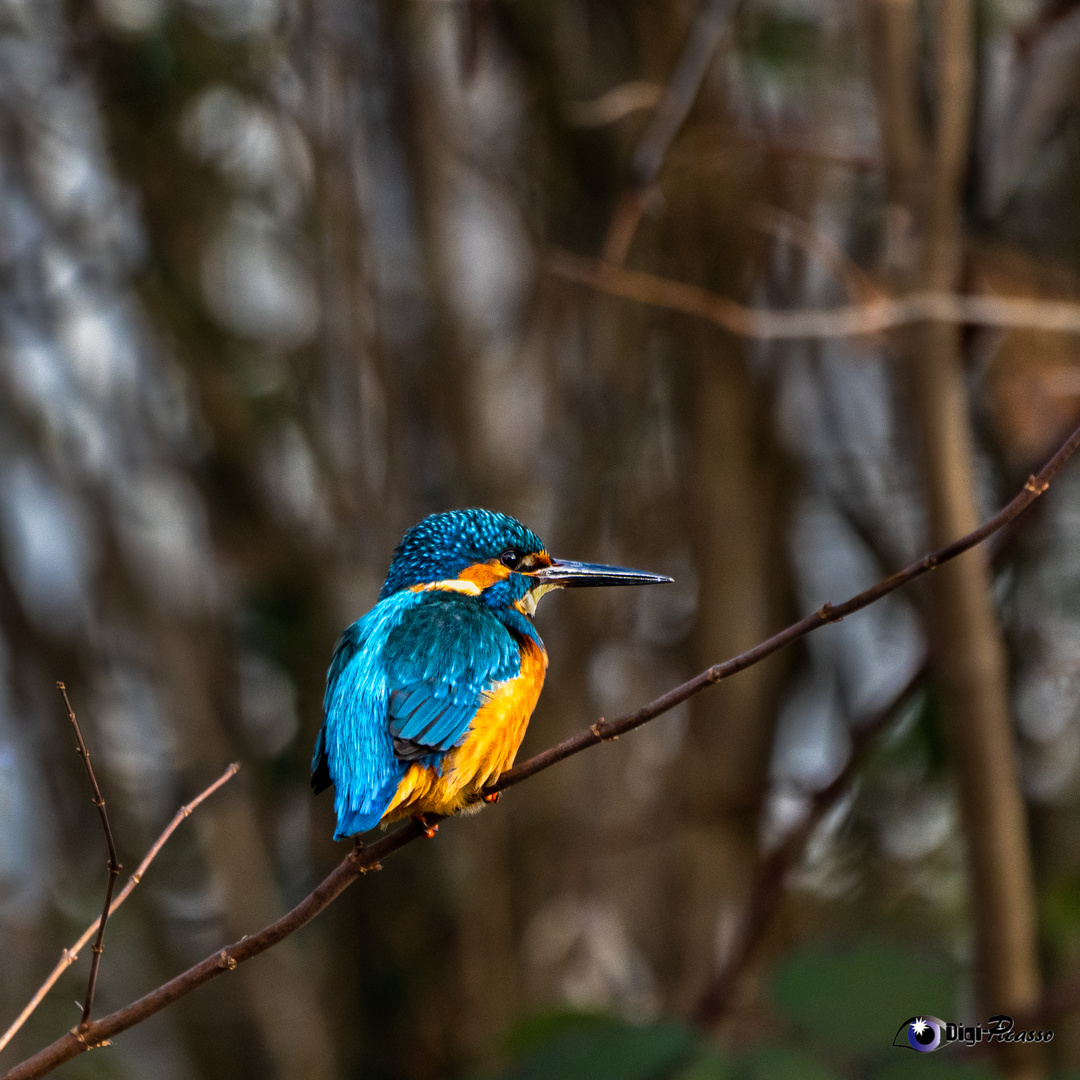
{"x": 429, "y": 829}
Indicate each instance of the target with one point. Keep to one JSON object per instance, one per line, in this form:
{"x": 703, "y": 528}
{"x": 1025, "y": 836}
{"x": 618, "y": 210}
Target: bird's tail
{"x": 320, "y": 764}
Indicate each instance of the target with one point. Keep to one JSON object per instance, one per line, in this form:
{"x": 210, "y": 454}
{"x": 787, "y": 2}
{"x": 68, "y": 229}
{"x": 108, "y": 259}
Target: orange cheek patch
{"x": 484, "y": 574}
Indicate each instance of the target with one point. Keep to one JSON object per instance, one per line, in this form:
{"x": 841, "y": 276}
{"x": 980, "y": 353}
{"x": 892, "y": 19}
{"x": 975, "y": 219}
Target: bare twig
{"x": 854, "y": 320}
{"x": 689, "y": 72}
{"x": 365, "y": 858}
{"x": 114, "y": 863}
{"x": 71, "y": 954}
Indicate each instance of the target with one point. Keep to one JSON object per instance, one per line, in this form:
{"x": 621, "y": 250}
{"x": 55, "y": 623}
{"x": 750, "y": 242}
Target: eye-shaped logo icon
{"x": 922, "y": 1033}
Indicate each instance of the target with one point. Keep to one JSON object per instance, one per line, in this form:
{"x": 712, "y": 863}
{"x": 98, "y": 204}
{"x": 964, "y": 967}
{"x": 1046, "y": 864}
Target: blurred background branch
{"x": 856, "y": 320}
{"x": 672, "y": 107}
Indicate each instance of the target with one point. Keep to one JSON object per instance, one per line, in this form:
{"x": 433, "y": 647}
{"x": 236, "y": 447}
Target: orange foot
{"x": 491, "y": 796}
{"x": 428, "y": 829}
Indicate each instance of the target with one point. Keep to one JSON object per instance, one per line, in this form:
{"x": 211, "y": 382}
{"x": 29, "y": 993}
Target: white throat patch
{"x": 527, "y": 604}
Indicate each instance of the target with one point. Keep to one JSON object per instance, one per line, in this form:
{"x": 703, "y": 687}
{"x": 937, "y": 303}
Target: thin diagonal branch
{"x": 827, "y": 613}
{"x": 365, "y": 858}
{"x": 850, "y": 320}
{"x": 690, "y": 69}
{"x": 772, "y": 873}
{"x": 114, "y": 863}
{"x": 769, "y": 881}
{"x": 71, "y": 954}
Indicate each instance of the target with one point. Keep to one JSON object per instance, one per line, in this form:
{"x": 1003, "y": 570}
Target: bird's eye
{"x": 511, "y": 558}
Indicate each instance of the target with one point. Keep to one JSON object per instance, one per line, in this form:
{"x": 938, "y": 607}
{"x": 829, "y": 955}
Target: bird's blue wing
{"x": 440, "y": 659}
{"x": 355, "y": 750}
{"x": 345, "y": 651}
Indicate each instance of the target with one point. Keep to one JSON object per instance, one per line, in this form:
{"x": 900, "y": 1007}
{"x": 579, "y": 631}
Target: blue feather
{"x": 355, "y": 740}
{"x": 404, "y": 685}
{"x": 442, "y": 545}
{"x": 449, "y": 651}
{"x": 446, "y": 727}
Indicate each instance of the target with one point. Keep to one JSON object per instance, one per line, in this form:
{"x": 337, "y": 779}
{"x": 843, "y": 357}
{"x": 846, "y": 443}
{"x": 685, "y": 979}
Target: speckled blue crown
{"x": 442, "y": 545}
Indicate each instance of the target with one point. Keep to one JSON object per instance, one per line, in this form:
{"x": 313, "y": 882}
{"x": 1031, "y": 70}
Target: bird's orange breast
{"x": 489, "y": 748}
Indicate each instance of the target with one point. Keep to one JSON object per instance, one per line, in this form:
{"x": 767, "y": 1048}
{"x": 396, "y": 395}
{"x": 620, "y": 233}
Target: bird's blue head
{"x": 481, "y": 546}
{"x": 492, "y": 555}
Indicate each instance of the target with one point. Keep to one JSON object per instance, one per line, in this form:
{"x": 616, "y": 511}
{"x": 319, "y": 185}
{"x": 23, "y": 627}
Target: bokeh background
{"x": 279, "y": 277}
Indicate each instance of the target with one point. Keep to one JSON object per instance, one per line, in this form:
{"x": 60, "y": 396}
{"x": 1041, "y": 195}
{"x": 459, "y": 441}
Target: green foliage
{"x": 781, "y": 42}
{"x": 916, "y": 743}
{"x": 1059, "y": 914}
{"x": 840, "y": 1005}
{"x": 943, "y": 1066}
{"x": 854, "y": 998}
{"x": 589, "y": 1046}
{"x": 710, "y": 1064}
{"x": 780, "y": 1063}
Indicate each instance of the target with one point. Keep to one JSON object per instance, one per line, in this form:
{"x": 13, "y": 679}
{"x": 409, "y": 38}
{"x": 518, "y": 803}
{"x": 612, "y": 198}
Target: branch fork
{"x": 114, "y": 864}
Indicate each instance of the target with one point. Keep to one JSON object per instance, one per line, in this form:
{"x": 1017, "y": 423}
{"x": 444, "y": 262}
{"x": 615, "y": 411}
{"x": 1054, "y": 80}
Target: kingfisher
{"x": 429, "y": 694}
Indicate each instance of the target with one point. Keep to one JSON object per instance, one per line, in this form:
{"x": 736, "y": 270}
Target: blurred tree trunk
{"x": 735, "y": 520}
{"x": 724, "y": 766}
{"x": 926, "y": 177}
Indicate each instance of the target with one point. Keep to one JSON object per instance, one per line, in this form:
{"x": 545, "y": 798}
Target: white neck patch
{"x": 469, "y": 588}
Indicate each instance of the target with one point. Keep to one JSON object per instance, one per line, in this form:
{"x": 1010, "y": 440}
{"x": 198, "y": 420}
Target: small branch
{"x": 689, "y": 72}
{"x": 618, "y": 102}
{"x": 854, "y": 320}
{"x": 98, "y": 1032}
{"x": 71, "y": 954}
{"x": 369, "y": 857}
{"x": 114, "y": 864}
{"x": 789, "y": 228}
{"x": 771, "y": 877}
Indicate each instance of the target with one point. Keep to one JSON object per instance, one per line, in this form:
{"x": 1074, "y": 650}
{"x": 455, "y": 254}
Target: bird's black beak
{"x": 564, "y": 574}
